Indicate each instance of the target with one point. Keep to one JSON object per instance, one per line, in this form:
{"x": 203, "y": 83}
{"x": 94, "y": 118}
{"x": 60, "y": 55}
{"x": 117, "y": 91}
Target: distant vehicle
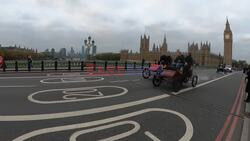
{"x": 220, "y": 68}
{"x": 245, "y": 70}
{"x": 228, "y": 69}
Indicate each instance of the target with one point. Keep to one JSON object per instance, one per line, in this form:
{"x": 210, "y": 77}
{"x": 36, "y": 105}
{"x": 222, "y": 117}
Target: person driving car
{"x": 188, "y": 64}
{"x": 165, "y": 61}
{"x": 179, "y": 60}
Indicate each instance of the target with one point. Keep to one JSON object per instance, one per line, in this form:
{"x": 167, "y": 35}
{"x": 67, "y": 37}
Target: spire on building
{"x": 165, "y": 39}
{"x": 164, "y": 44}
{"x": 154, "y": 49}
{"x": 227, "y": 26}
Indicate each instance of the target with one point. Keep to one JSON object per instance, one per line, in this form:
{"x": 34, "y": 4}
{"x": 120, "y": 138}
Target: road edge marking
{"x": 230, "y": 117}
{"x": 236, "y": 118}
{"x": 202, "y": 84}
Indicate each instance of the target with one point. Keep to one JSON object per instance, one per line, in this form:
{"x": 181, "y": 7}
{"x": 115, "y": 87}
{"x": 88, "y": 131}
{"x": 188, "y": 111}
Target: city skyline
{"x": 117, "y": 25}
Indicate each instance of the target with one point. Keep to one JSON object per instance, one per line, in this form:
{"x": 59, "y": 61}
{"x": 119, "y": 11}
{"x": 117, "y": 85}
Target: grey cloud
{"x": 245, "y": 40}
{"x": 116, "y": 25}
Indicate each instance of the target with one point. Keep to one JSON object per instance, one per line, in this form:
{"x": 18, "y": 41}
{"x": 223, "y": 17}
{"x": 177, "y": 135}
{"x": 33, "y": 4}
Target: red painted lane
{"x": 235, "y": 120}
{"x": 226, "y": 124}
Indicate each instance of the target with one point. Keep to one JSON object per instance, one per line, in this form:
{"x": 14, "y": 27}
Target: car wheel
{"x": 156, "y": 81}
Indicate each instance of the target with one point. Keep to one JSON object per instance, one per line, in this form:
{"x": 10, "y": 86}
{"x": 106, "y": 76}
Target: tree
{"x": 108, "y": 56}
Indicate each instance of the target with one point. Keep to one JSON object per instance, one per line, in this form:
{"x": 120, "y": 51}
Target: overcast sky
{"x": 118, "y": 24}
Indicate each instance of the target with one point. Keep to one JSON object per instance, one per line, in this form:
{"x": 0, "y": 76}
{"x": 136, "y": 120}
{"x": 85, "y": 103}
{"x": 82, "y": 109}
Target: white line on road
{"x": 113, "y": 138}
{"x": 71, "y": 80}
{"x": 151, "y": 136}
{"x": 200, "y": 85}
{"x": 119, "y": 81}
{"x": 79, "y": 112}
{"x": 18, "y": 86}
{"x": 186, "y": 137}
{"x": 72, "y": 92}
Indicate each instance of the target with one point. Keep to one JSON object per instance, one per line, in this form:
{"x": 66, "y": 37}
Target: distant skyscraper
{"x": 53, "y": 52}
{"x": 63, "y": 53}
{"x": 94, "y": 50}
{"x": 72, "y": 52}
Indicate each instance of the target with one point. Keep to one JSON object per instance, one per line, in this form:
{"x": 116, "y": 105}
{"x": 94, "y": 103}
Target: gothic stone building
{"x": 145, "y": 52}
{"x": 201, "y": 55}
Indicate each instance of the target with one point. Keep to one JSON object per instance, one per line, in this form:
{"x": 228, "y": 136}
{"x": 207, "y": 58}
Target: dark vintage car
{"x": 221, "y": 68}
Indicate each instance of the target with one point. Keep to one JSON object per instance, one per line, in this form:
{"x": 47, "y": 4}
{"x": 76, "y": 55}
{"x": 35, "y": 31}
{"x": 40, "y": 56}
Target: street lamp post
{"x": 89, "y": 44}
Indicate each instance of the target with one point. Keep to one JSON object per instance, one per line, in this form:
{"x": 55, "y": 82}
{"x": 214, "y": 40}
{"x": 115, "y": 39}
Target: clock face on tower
{"x": 227, "y": 36}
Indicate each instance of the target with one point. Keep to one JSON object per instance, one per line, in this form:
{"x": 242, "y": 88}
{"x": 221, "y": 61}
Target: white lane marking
{"x": 62, "y": 80}
{"x": 70, "y": 80}
{"x": 71, "y": 92}
{"x": 18, "y": 86}
{"x": 187, "y": 135}
{"x": 119, "y": 81}
{"x": 76, "y": 79}
{"x": 79, "y": 112}
{"x": 151, "y": 136}
{"x": 200, "y": 85}
{"x": 113, "y": 138}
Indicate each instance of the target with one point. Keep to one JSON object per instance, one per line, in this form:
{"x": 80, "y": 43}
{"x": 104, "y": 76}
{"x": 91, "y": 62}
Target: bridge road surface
{"x": 76, "y": 107}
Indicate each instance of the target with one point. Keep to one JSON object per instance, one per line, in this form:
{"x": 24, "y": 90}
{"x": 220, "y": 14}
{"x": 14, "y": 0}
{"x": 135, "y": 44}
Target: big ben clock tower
{"x": 228, "y": 45}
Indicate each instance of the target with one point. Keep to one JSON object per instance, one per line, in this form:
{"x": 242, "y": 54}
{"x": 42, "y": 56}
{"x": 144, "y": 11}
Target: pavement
{"x": 59, "y": 106}
{"x": 246, "y": 125}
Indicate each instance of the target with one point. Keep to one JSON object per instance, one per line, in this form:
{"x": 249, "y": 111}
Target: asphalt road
{"x": 76, "y": 106}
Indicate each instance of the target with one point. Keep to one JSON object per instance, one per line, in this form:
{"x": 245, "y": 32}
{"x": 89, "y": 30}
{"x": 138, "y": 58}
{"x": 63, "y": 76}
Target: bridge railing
{"x": 49, "y": 65}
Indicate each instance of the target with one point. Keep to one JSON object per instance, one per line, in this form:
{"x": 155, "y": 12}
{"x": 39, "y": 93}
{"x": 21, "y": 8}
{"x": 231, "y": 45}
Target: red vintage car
{"x": 176, "y": 76}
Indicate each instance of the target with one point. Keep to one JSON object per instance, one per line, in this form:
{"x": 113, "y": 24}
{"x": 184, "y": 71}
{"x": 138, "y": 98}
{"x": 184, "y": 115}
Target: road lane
{"x": 205, "y": 107}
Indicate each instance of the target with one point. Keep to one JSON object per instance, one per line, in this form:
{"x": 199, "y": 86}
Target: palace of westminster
{"x": 200, "y": 52}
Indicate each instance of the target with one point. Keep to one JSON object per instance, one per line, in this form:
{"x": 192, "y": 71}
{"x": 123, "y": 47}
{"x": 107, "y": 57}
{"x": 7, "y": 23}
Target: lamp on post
{"x": 89, "y": 44}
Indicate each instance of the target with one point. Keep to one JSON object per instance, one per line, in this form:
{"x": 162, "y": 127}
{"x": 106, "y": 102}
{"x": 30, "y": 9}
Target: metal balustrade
{"x": 49, "y": 65}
